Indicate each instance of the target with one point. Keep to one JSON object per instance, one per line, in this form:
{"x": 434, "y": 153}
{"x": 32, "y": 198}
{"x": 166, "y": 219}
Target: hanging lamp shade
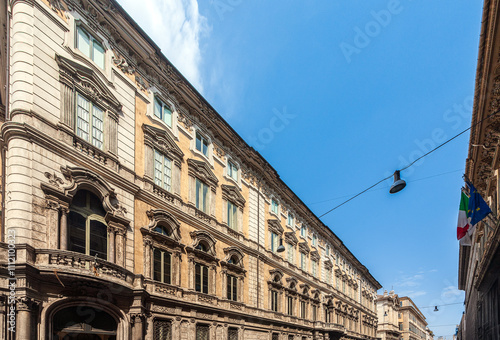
{"x": 398, "y": 185}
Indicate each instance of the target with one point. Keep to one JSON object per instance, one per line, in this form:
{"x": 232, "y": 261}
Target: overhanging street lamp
{"x": 398, "y": 185}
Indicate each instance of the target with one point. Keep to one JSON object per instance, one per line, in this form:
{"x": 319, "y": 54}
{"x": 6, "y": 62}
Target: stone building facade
{"x": 132, "y": 210}
{"x": 387, "y": 314}
{"x": 412, "y": 324}
{"x": 479, "y": 264}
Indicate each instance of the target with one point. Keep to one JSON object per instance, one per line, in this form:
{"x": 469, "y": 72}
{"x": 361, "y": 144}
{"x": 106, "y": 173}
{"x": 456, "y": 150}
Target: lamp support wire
{"x": 416, "y": 160}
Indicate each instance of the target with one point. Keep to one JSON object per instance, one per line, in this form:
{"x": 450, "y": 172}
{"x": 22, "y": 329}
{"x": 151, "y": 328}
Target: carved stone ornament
{"x": 275, "y": 226}
{"x": 201, "y": 236}
{"x": 232, "y": 193}
{"x": 304, "y": 248}
{"x": 56, "y": 5}
{"x": 163, "y": 141}
{"x": 291, "y": 238}
{"x": 162, "y": 218}
{"x": 315, "y": 255}
{"x": 202, "y": 171}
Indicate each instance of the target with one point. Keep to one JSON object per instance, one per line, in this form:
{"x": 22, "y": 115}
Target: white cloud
{"x": 176, "y": 26}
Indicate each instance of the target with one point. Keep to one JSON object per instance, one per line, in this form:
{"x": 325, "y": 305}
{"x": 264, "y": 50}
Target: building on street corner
{"x": 132, "y": 210}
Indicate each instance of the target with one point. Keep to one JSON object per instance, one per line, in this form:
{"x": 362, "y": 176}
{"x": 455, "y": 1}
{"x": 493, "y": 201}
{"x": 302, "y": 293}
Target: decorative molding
{"x": 163, "y": 141}
{"x": 291, "y": 238}
{"x": 202, "y": 171}
{"x": 304, "y": 248}
{"x": 232, "y": 193}
{"x": 274, "y": 226}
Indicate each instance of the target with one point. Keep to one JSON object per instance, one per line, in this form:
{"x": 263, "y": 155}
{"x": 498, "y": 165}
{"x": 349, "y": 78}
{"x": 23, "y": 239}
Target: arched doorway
{"x": 83, "y": 323}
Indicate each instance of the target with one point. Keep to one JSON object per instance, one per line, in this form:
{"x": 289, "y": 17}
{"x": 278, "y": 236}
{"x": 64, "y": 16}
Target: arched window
{"x": 79, "y": 322}
{"x": 88, "y": 231}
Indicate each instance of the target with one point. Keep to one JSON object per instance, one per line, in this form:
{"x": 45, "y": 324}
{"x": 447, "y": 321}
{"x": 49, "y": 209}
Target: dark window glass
{"x": 202, "y": 332}
{"x": 77, "y": 232}
{"x": 98, "y": 239}
{"x": 162, "y": 330}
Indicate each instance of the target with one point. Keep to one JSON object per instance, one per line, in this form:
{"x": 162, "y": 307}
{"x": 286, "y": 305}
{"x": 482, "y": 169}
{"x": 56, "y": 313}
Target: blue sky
{"x": 364, "y": 88}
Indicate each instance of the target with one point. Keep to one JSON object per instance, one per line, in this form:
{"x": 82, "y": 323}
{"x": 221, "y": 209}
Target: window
{"x": 327, "y": 250}
{"x": 232, "y": 216}
{"x": 232, "y": 170}
{"x": 201, "y": 278}
{"x": 291, "y": 253}
{"x": 275, "y": 336}
{"x": 88, "y": 232}
{"x": 274, "y": 300}
{"x": 303, "y": 309}
{"x": 232, "y": 333}
{"x": 303, "y": 263}
{"x": 290, "y": 219}
{"x": 315, "y": 268}
{"x": 89, "y": 121}
{"x": 303, "y": 231}
{"x": 314, "y": 240}
{"x": 274, "y": 206}
{"x": 314, "y": 311}
{"x": 201, "y": 144}
{"x": 343, "y": 286}
{"x": 202, "y": 332}
{"x": 163, "y": 171}
{"x": 328, "y": 274}
{"x": 337, "y": 283}
{"x": 162, "y": 266}
{"x": 201, "y": 196}
{"x": 290, "y": 305}
{"x": 163, "y": 111}
{"x": 162, "y": 330}
{"x": 232, "y": 288}
{"x": 274, "y": 242}
{"x": 90, "y": 46}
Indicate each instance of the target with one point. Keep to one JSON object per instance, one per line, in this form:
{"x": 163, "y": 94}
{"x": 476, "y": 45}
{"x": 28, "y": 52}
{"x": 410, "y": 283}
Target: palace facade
{"x": 132, "y": 210}
{"x": 479, "y": 264}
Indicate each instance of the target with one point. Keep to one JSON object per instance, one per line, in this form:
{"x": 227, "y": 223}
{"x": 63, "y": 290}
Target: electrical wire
{"x": 447, "y": 304}
{"x": 416, "y": 160}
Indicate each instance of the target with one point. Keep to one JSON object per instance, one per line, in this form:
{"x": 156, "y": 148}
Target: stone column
{"x": 213, "y": 283}
{"x": 111, "y": 236}
{"x": 63, "y": 233}
{"x": 191, "y": 273}
{"x": 120, "y": 247}
{"x": 224, "y": 283}
{"x": 147, "y": 257}
{"x": 137, "y": 322}
{"x": 52, "y": 224}
{"x": 177, "y": 256}
{"x": 24, "y": 308}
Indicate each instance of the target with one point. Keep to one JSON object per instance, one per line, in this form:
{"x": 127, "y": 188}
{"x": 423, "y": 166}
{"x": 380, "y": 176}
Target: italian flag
{"x": 463, "y": 221}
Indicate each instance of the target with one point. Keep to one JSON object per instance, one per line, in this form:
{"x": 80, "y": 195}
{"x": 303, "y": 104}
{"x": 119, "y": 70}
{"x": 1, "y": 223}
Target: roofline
{"x": 132, "y": 22}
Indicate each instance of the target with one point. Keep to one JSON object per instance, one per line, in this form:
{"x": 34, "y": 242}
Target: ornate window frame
{"x": 58, "y": 195}
{"x": 163, "y": 142}
{"x": 275, "y": 283}
{"x": 235, "y": 269}
{"x": 207, "y": 258}
{"x": 201, "y": 170}
{"x": 76, "y": 78}
{"x": 231, "y": 193}
{"x": 171, "y": 244}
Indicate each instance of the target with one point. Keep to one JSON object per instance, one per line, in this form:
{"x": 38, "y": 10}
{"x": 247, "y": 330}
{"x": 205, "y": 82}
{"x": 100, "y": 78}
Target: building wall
{"x": 47, "y": 164}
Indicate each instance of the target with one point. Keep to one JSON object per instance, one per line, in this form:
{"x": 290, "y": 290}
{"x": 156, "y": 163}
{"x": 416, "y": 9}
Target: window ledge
{"x": 230, "y": 179}
{"x": 203, "y": 156}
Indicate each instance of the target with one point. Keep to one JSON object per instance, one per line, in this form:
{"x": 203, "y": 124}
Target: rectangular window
{"x": 337, "y": 283}
{"x": 275, "y": 336}
{"x": 90, "y": 46}
{"x": 303, "y": 263}
{"x": 89, "y": 121}
{"x": 274, "y": 206}
{"x": 202, "y": 332}
{"x": 201, "y": 196}
{"x": 201, "y": 144}
{"x": 343, "y": 286}
{"x": 303, "y": 231}
{"x": 163, "y": 171}
{"x": 315, "y": 268}
{"x": 232, "y": 170}
{"x": 232, "y": 216}
{"x": 314, "y": 240}
{"x": 232, "y": 288}
{"x": 314, "y": 313}
{"x": 303, "y": 309}
{"x": 162, "y": 330}
{"x": 290, "y": 219}
{"x": 328, "y": 274}
{"x": 274, "y": 300}
{"x": 232, "y": 333}
{"x": 274, "y": 242}
{"x": 327, "y": 250}
{"x": 161, "y": 266}
{"x": 163, "y": 111}
{"x": 291, "y": 253}
{"x": 201, "y": 278}
{"x": 290, "y": 305}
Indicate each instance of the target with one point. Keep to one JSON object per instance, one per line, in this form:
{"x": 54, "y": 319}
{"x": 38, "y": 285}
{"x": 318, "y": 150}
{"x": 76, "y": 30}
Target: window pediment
{"x": 276, "y": 276}
{"x": 304, "y": 248}
{"x": 203, "y": 245}
{"x": 315, "y": 255}
{"x": 160, "y": 218}
{"x": 233, "y": 260}
{"x": 328, "y": 264}
{"x": 291, "y": 238}
{"x": 275, "y": 226}
{"x": 162, "y": 140}
{"x": 87, "y": 82}
{"x": 292, "y": 283}
{"x": 232, "y": 194}
{"x": 202, "y": 171}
